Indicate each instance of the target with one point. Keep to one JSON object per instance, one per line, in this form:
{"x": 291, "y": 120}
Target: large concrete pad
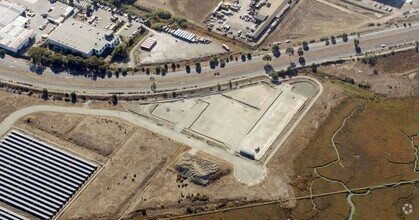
{"x": 257, "y": 96}
{"x": 272, "y": 123}
{"x": 224, "y": 119}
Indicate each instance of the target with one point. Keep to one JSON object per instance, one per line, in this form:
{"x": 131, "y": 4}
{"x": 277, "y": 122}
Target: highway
{"x": 17, "y": 71}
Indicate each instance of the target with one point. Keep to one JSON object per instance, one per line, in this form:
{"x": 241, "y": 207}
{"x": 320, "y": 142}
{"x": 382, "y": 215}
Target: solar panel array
{"x": 37, "y": 178}
{"x": 6, "y": 214}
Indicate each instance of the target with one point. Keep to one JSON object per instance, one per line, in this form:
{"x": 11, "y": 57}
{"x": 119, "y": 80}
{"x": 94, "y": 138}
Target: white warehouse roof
{"x": 9, "y": 12}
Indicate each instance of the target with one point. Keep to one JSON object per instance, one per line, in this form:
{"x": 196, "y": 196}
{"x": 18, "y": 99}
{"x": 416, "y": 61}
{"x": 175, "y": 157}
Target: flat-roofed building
{"x": 59, "y": 12}
{"x": 82, "y": 39}
{"x": 148, "y": 44}
{"x": 13, "y": 34}
{"x": 9, "y": 12}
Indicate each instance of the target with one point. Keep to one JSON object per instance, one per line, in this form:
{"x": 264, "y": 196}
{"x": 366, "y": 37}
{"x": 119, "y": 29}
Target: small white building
{"x": 82, "y": 39}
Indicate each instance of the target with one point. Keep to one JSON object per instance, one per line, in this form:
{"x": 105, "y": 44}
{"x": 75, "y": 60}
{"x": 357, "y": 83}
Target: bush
{"x": 114, "y": 99}
{"x": 73, "y": 97}
{"x": 157, "y": 26}
{"x": 45, "y": 94}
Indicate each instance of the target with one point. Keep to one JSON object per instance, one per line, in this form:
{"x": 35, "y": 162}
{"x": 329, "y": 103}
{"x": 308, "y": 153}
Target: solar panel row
{"x": 36, "y": 178}
{"x": 9, "y": 215}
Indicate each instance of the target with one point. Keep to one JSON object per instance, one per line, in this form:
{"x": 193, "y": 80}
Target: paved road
{"x": 17, "y": 71}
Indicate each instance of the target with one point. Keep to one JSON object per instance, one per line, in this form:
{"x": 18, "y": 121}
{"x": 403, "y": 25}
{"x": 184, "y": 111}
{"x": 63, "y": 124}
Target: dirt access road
{"x": 246, "y": 171}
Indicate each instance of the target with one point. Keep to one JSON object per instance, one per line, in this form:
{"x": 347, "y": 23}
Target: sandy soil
{"x": 123, "y": 177}
{"x": 224, "y": 192}
{"x": 311, "y": 19}
{"x": 193, "y": 10}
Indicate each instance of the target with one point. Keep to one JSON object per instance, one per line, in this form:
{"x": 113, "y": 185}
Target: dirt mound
{"x": 199, "y": 171}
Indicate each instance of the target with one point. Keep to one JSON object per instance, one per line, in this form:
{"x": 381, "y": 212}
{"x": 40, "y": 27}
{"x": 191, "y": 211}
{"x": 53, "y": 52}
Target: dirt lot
{"x": 165, "y": 197}
{"x": 85, "y": 131}
{"x": 123, "y": 177}
{"x": 312, "y": 19}
{"x": 194, "y": 11}
{"x": 396, "y": 76}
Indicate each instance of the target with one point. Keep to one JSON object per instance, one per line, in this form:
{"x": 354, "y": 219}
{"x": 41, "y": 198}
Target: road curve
{"x": 17, "y": 71}
{"x": 245, "y": 171}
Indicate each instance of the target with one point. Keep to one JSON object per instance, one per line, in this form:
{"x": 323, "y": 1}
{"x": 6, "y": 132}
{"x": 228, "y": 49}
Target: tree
{"x": 305, "y": 45}
{"x": 371, "y": 59}
{"x": 173, "y": 67}
{"x": 222, "y": 62}
{"x": 345, "y": 37}
{"x": 314, "y": 68}
{"x": 333, "y": 39}
{"x": 120, "y": 51}
{"x": 267, "y": 58}
{"x": 243, "y": 56}
{"x": 163, "y": 71}
{"x": 114, "y": 99}
{"x": 198, "y": 67}
{"x": 274, "y": 75}
{"x": 45, "y": 94}
{"x": 249, "y": 56}
{"x": 73, "y": 97}
{"x": 188, "y": 68}
{"x": 275, "y": 49}
{"x": 2, "y": 53}
{"x": 290, "y": 52}
{"x": 300, "y": 52}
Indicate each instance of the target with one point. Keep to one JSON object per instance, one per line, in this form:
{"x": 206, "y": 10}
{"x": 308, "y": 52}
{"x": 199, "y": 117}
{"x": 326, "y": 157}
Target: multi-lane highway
{"x": 17, "y": 71}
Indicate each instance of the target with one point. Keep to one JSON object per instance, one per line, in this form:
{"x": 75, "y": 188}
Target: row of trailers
{"x": 36, "y": 178}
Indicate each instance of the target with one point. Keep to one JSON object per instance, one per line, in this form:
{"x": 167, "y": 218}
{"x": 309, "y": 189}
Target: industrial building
{"x": 82, "y": 39}
{"x": 13, "y": 34}
{"x": 184, "y": 35}
{"x": 148, "y": 44}
{"x": 59, "y": 12}
{"x": 36, "y": 178}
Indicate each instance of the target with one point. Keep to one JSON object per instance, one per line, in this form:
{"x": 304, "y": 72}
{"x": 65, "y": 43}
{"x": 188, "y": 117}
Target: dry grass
{"x": 123, "y": 177}
{"x": 312, "y": 20}
{"x": 374, "y": 134}
{"x": 193, "y": 10}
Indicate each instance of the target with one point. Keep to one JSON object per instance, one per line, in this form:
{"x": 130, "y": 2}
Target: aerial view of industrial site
{"x": 209, "y": 110}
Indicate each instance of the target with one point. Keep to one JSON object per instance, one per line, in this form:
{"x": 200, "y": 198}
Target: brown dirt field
{"x": 84, "y": 131}
{"x": 56, "y": 123}
{"x": 226, "y": 191}
{"x": 11, "y": 101}
{"x": 312, "y": 20}
{"x": 398, "y": 75}
{"x": 193, "y": 10}
{"x": 90, "y": 134}
{"x": 123, "y": 177}
{"x": 61, "y": 143}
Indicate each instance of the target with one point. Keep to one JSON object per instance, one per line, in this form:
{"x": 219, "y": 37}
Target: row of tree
{"x": 43, "y": 56}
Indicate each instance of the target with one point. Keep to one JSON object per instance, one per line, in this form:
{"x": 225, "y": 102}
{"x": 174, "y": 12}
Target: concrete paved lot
{"x": 225, "y": 120}
{"x": 245, "y": 118}
{"x": 273, "y": 123}
{"x": 170, "y": 49}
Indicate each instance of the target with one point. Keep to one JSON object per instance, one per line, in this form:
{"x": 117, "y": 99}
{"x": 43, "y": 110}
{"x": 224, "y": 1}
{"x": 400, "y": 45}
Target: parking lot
{"x": 242, "y": 20}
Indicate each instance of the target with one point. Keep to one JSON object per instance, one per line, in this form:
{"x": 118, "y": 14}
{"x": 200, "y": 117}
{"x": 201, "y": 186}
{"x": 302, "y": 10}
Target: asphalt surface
{"x": 17, "y": 71}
